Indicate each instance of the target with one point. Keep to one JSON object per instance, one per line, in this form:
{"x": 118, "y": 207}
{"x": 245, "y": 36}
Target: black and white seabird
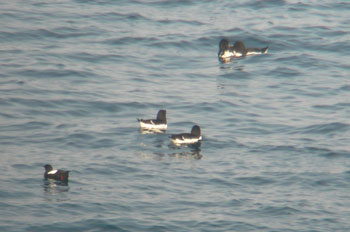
{"x": 187, "y": 138}
{"x": 55, "y": 174}
{"x": 155, "y": 124}
{"x": 238, "y": 50}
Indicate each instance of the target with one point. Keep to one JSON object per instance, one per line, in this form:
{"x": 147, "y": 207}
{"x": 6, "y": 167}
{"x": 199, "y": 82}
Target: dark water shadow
{"x": 231, "y": 64}
{"x": 151, "y": 131}
{"x": 54, "y": 187}
{"x": 194, "y": 152}
{"x": 187, "y": 154}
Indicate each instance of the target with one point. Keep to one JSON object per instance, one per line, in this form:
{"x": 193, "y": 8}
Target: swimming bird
{"x": 51, "y": 173}
{"x": 187, "y": 138}
{"x": 238, "y": 50}
{"x": 158, "y": 124}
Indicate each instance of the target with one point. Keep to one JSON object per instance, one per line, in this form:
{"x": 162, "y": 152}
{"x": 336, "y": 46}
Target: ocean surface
{"x": 75, "y": 76}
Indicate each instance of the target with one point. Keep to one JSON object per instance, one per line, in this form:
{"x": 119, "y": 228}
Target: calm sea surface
{"x": 76, "y": 74}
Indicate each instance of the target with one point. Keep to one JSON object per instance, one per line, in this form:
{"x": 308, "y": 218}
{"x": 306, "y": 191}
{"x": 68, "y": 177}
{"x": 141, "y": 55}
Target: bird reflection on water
{"x": 193, "y": 153}
{"x": 187, "y": 154}
{"x": 151, "y": 131}
{"x": 51, "y": 186}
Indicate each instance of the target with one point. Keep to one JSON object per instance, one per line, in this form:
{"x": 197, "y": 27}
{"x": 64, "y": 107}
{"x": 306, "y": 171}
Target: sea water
{"x": 75, "y": 76}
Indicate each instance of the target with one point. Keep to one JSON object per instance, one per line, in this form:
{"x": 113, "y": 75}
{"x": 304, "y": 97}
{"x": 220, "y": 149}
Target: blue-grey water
{"x": 76, "y": 74}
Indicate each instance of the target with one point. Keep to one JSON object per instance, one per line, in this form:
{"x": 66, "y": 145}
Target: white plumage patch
{"x": 186, "y": 140}
{"x": 153, "y": 126}
{"x": 256, "y": 52}
{"x": 228, "y": 54}
{"x": 253, "y": 53}
{"x": 52, "y": 172}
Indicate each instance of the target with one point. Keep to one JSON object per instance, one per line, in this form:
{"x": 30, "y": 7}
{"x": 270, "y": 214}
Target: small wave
{"x": 40, "y": 34}
{"x": 26, "y": 126}
{"x": 188, "y": 43}
{"x": 178, "y": 44}
{"x": 326, "y": 128}
{"x": 103, "y": 143}
{"x": 256, "y": 180}
{"x": 167, "y": 4}
{"x": 8, "y": 116}
{"x": 325, "y": 152}
{"x": 288, "y": 148}
{"x": 13, "y": 194}
{"x": 110, "y": 169}
{"x": 345, "y": 88}
{"x": 335, "y": 107}
{"x": 22, "y": 166}
{"x": 52, "y": 73}
{"x": 32, "y": 102}
{"x": 181, "y": 21}
{"x": 285, "y": 72}
{"x": 278, "y": 211}
{"x": 126, "y": 40}
{"x": 95, "y": 58}
{"x": 122, "y": 16}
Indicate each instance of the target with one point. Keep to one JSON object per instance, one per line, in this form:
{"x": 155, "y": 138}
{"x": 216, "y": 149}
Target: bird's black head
{"x": 223, "y": 46}
{"x": 239, "y": 47}
{"x": 196, "y": 130}
{"x": 161, "y": 115}
{"x": 48, "y": 167}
